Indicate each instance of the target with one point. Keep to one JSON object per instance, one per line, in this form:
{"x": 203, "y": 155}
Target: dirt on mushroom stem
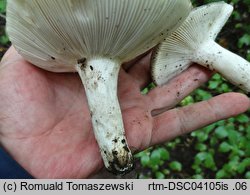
{"x": 99, "y": 77}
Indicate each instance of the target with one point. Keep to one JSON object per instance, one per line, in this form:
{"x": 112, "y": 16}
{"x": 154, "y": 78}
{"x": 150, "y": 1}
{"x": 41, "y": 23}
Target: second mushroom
{"x": 194, "y": 41}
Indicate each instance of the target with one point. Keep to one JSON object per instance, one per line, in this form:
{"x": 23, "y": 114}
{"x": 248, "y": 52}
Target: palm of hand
{"x": 45, "y": 123}
{"x": 47, "y": 120}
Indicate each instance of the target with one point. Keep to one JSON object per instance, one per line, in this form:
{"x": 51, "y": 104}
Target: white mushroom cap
{"x": 194, "y": 41}
{"x": 54, "y": 34}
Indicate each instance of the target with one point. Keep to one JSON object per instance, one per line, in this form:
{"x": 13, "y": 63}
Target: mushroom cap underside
{"x": 176, "y": 52}
{"x": 54, "y": 34}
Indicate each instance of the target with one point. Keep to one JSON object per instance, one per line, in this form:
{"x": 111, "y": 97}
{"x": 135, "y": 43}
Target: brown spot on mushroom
{"x": 108, "y": 135}
{"x": 117, "y": 167}
{"x": 81, "y": 62}
{"x": 126, "y": 148}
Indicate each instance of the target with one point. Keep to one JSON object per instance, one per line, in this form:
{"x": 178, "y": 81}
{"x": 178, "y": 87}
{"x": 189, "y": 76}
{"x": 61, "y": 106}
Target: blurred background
{"x": 220, "y": 150}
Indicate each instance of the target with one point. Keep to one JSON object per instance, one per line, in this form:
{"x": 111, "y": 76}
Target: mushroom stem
{"x": 233, "y": 67}
{"x": 99, "y": 77}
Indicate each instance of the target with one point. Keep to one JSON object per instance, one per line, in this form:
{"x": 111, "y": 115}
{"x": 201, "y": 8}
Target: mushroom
{"x": 194, "y": 41}
{"x": 93, "y": 38}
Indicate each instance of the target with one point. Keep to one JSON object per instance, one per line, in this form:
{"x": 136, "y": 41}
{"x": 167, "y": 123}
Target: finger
{"x": 141, "y": 71}
{"x": 184, "y": 120}
{"x": 167, "y": 96}
{"x": 10, "y": 56}
{"x": 127, "y": 65}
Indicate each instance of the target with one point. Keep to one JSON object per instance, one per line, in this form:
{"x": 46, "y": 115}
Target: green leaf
{"x": 209, "y": 162}
{"x": 221, "y": 174}
{"x": 231, "y": 120}
{"x": 200, "y": 147}
{"x": 206, "y": 159}
{"x": 213, "y": 84}
{"x": 164, "y": 154}
{"x": 221, "y": 132}
{"x": 232, "y": 167}
{"x": 142, "y": 176}
{"x": 155, "y": 157}
{"x": 225, "y": 88}
{"x": 175, "y": 166}
{"x": 187, "y": 101}
{"x": 221, "y": 123}
{"x": 197, "y": 169}
{"x": 209, "y": 128}
{"x": 243, "y": 165}
{"x": 234, "y": 158}
{"x": 217, "y": 77}
{"x": 2, "y": 6}
{"x": 201, "y": 136}
{"x": 213, "y": 141}
{"x": 243, "y": 118}
{"x": 159, "y": 175}
{"x": 224, "y": 147}
{"x": 154, "y": 168}
{"x": 247, "y": 148}
{"x": 248, "y": 57}
{"x": 145, "y": 160}
{"x": 233, "y": 136}
{"x": 198, "y": 176}
{"x": 236, "y": 15}
{"x": 4, "y": 39}
{"x": 144, "y": 91}
{"x": 203, "y": 95}
{"x": 166, "y": 171}
{"x": 148, "y": 88}
{"x": 200, "y": 157}
{"x": 244, "y": 41}
{"x": 247, "y": 175}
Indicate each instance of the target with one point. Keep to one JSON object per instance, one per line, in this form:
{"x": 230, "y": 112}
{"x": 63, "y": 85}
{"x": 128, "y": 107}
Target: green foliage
{"x": 220, "y": 150}
{"x": 2, "y": 6}
{"x": 244, "y": 40}
{"x": 4, "y": 40}
{"x": 175, "y": 166}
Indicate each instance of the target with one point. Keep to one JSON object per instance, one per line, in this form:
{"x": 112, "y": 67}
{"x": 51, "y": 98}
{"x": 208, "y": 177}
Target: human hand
{"x": 45, "y": 123}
